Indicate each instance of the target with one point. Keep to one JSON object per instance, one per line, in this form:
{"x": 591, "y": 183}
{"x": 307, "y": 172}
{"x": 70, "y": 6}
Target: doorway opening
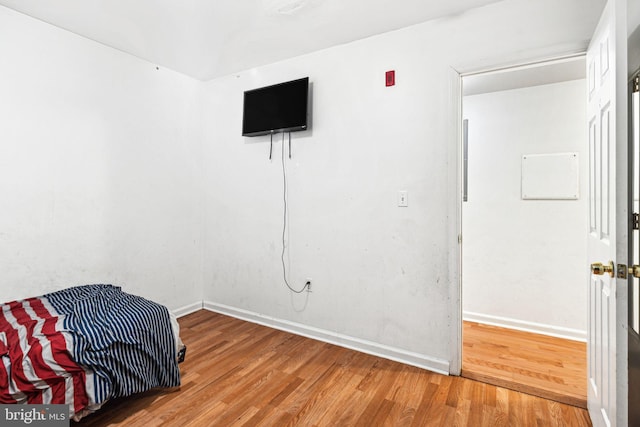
{"x": 524, "y": 295}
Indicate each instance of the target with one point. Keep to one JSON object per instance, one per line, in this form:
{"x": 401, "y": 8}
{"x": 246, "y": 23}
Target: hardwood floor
{"x": 241, "y": 374}
{"x": 544, "y": 366}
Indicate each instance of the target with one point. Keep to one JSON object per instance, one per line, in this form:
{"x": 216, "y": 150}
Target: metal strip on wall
{"x": 465, "y": 159}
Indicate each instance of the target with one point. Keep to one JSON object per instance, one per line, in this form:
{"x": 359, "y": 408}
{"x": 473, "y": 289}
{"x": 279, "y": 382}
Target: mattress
{"x": 85, "y": 345}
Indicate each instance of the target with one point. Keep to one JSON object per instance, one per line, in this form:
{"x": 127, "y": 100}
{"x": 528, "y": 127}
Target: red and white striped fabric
{"x": 84, "y": 345}
{"x": 37, "y": 365}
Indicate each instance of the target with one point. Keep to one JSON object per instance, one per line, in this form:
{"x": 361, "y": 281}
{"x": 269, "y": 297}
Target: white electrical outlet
{"x": 403, "y": 198}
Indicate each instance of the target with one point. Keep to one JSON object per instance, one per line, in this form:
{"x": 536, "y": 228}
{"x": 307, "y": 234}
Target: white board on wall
{"x": 550, "y": 176}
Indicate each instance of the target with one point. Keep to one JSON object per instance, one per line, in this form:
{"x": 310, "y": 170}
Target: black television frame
{"x": 279, "y": 96}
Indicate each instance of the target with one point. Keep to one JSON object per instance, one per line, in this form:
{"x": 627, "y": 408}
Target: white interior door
{"x": 608, "y": 198}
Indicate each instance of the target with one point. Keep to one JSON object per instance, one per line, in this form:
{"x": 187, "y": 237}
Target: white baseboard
{"x": 364, "y": 346}
{"x": 521, "y": 325}
{"x": 188, "y": 309}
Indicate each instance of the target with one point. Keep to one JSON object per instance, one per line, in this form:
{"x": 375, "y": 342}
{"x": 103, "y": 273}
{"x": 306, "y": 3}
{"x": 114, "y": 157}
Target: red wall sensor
{"x": 390, "y": 78}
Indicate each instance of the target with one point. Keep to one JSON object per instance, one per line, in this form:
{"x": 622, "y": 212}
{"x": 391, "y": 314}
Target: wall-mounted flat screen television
{"x": 278, "y": 108}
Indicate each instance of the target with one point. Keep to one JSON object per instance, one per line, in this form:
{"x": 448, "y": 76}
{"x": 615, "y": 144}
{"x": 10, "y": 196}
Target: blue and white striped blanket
{"x": 122, "y": 342}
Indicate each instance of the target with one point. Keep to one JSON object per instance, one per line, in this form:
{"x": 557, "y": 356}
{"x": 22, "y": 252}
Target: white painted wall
{"x": 99, "y": 168}
{"x": 523, "y": 260}
{"x": 633, "y": 29}
{"x": 382, "y": 274}
{"x": 104, "y": 179}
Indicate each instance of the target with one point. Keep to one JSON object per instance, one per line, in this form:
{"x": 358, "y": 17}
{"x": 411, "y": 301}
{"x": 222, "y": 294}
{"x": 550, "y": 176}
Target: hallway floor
{"x": 539, "y": 365}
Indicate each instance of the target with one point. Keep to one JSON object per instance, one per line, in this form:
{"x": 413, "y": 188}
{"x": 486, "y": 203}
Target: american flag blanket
{"x": 82, "y": 346}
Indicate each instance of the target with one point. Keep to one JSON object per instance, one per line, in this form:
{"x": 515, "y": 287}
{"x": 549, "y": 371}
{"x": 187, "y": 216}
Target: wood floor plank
{"x": 541, "y": 365}
{"x": 242, "y": 374}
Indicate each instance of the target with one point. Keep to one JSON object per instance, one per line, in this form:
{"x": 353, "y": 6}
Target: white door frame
{"x": 455, "y": 159}
{"x": 455, "y": 174}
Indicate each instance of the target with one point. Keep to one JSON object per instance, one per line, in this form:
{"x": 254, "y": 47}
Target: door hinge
{"x": 636, "y": 84}
{"x": 635, "y": 221}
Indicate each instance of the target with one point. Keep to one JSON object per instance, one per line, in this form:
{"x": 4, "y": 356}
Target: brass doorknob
{"x": 599, "y": 269}
{"x": 634, "y": 270}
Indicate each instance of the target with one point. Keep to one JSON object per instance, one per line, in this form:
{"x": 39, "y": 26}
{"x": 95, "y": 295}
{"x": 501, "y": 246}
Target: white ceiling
{"x": 211, "y": 38}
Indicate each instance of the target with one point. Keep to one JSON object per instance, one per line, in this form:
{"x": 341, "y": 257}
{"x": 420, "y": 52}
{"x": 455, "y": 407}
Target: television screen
{"x": 278, "y": 108}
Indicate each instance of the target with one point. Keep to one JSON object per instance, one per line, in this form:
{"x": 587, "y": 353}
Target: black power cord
{"x": 284, "y": 221}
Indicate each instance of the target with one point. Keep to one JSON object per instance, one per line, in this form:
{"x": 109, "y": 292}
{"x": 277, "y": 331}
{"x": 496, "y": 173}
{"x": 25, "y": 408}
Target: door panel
{"x": 604, "y": 201}
{"x": 601, "y": 245}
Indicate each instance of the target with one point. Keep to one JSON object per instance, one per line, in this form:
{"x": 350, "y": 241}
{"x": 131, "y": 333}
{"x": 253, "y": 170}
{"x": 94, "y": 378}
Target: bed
{"x": 85, "y": 345}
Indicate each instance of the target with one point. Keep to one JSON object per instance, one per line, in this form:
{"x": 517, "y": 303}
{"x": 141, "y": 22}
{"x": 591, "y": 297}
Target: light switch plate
{"x": 403, "y": 198}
